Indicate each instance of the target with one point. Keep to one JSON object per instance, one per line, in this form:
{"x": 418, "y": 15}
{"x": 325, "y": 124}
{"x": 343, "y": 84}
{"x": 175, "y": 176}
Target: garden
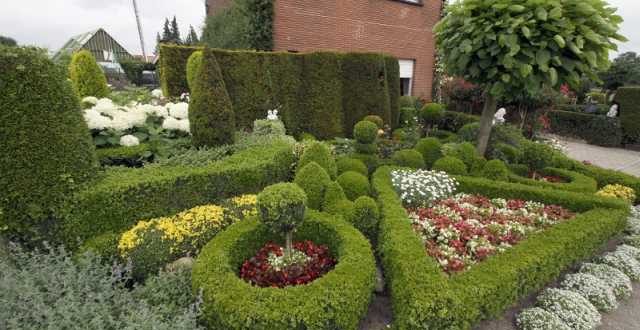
{"x": 261, "y": 190}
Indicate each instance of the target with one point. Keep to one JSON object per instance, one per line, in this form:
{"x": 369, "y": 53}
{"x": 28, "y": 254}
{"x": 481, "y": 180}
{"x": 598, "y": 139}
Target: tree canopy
{"x": 624, "y": 71}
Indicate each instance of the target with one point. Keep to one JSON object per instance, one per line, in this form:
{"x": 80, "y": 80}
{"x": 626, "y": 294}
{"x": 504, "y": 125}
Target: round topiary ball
{"x": 366, "y": 216}
{"x": 313, "y": 179}
{"x": 46, "y": 146}
{"x": 431, "y": 113}
{"x": 354, "y": 185}
{"x": 87, "y": 77}
{"x": 451, "y": 165}
{"x": 375, "y": 119}
{"x": 346, "y": 164}
{"x": 469, "y": 132}
{"x": 365, "y": 132}
{"x": 408, "y": 158}
{"x": 319, "y": 153}
{"x": 537, "y": 155}
{"x": 282, "y": 207}
{"x": 495, "y": 170}
{"x": 193, "y": 66}
{"x": 431, "y": 150}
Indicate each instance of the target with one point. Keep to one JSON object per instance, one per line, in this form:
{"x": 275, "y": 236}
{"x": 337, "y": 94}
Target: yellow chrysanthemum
{"x": 618, "y": 191}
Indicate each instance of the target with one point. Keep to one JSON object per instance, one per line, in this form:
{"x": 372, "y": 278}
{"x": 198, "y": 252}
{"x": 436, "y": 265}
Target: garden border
{"x": 578, "y": 182}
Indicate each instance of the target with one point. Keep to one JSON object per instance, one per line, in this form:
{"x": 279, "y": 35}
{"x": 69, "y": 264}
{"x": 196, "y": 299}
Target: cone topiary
{"x": 193, "y": 67}
{"x": 211, "y": 113}
{"x": 46, "y": 147}
{"x": 87, "y": 77}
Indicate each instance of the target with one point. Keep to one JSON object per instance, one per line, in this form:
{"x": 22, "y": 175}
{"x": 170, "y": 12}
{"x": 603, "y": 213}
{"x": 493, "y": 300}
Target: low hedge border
{"x": 577, "y": 182}
{"x": 125, "y": 196}
{"x": 423, "y": 297}
{"x": 128, "y": 156}
{"x": 338, "y": 300}
{"x": 606, "y": 177}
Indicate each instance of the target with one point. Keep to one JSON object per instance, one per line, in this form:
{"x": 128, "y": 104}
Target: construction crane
{"x": 135, "y": 9}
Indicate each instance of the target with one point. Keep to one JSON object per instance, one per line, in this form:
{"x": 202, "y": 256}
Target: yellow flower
{"x": 618, "y": 191}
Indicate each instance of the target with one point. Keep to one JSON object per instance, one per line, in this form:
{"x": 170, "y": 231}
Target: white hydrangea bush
{"x": 599, "y": 294}
{"x": 617, "y": 280}
{"x": 129, "y": 141}
{"x": 421, "y": 187}
{"x": 623, "y": 262}
{"x": 537, "y": 318}
{"x": 572, "y": 308}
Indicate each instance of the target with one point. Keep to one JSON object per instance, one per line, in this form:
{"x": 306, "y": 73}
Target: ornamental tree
{"x": 282, "y": 207}
{"x": 511, "y": 46}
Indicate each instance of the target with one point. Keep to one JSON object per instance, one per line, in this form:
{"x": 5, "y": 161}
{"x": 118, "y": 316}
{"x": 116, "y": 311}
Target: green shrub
{"x": 371, "y": 161}
{"x": 453, "y": 121}
{"x": 536, "y": 156}
{"x": 46, "y": 148}
{"x": 575, "y": 181}
{"x": 609, "y": 132}
{"x": 282, "y": 207}
{"x": 134, "y": 68}
{"x": 431, "y": 150}
{"x": 495, "y": 170}
{"x": 172, "y": 67}
{"x": 519, "y": 169}
{"x": 313, "y": 179}
{"x": 320, "y": 154}
{"x": 408, "y": 158}
{"x": 87, "y": 76}
{"x": 354, "y": 185}
{"x": 375, "y": 119}
{"x": 629, "y": 100}
{"x": 339, "y": 299}
{"x": 410, "y": 102}
{"x": 451, "y": 165}
{"x": 367, "y": 149}
{"x": 469, "y": 132}
{"x": 365, "y": 132}
{"x": 465, "y": 152}
{"x": 571, "y": 124}
{"x": 264, "y": 127}
{"x": 135, "y": 156}
{"x": 432, "y": 113}
{"x": 333, "y": 194}
{"x": 104, "y": 245}
{"x": 507, "y": 153}
{"x": 366, "y": 217}
{"x": 408, "y": 117}
{"x": 210, "y": 111}
{"x": 346, "y": 164}
{"x": 193, "y": 67}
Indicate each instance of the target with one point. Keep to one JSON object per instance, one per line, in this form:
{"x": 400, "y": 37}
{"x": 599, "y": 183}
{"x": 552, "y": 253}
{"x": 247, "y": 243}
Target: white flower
{"x": 128, "y": 118}
{"x": 95, "y": 120}
{"x": 105, "y": 106}
{"x": 129, "y": 141}
{"x": 617, "y": 280}
{"x": 178, "y": 110}
{"x": 157, "y": 93}
{"x": 156, "y": 110}
{"x": 90, "y": 100}
{"x": 594, "y": 289}
{"x": 573, "y": 309}
{"x": 174, "y": 124}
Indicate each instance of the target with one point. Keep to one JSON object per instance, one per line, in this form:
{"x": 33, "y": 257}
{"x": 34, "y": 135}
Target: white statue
{"x": 498, "y": 118}
{"x": 272, "y": 115}
{"x": 613, "y": 111}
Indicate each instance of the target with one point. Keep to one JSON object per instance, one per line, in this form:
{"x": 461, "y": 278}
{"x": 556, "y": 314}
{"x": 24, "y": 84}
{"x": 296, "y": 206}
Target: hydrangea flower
{"x": 95, "y": 120}
{"x": 617, "y": 280}
{"x": 129, "y": 141}
{"x": 572, "y": 308}
{"x": 178, "y": 110}
{"x": 537, "y": 318}
{"x": 157, "y": 93}
{"x": 171, "y": 123}
{"x": 90, "y": 100}
{"x": 594, "y": 289}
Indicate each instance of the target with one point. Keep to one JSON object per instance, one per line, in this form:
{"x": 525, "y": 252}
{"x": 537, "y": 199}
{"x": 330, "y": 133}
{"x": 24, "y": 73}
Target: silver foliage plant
{"x": 573, "y": 309}
{"x": 420, "y": 187}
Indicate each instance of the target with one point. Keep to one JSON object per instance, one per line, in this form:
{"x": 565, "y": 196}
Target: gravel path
{"x": 624, "y": 160}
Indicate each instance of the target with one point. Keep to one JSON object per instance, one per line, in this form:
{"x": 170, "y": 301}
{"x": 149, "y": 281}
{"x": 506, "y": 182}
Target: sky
{"x": 50, "y": 23}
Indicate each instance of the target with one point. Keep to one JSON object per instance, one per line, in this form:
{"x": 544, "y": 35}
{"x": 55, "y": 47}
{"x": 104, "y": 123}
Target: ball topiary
{"x": 46, "y": 146}
{"x": 365, "y": 148}
{"x": 469, "y": 132}
{"x": 366, "y": 216}
{"x": 371, "y": 161}
{"x": 495, "y": 170}
{"x": 354, "y": 185}
{"x": 464, "y": 151}
{"x": 507, "y": 153}
{"x": 211, "y": 113}
{"x": 346, "y": 164}
{"x": 451, "y": 165}
{"x": 313, "y": 179}
{"x": 319, "y": 153}
{"x": 282, "y": 208}
{"x": 408, "y": 158}
{"x": 375, "y": 119}
{"x": 87, "y": 77}
{"x": 365, "y": 132}
{"x": 536, "y": 156}
{"x": 431, "y": 113}
{"x": 193, "y": 67}
{"x": 431, "y": 150}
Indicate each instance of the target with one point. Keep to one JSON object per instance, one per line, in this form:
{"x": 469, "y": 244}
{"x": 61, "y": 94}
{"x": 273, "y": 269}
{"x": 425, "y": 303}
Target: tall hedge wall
{"x": 629, "y": 100}
{"x": 322, "y": 93}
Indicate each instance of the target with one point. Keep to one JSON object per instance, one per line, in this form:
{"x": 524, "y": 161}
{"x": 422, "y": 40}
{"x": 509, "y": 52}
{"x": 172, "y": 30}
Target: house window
{"x": 406, "y": 76}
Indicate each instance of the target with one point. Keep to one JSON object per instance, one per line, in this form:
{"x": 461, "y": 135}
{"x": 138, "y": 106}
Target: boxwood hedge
{"x": 576, "y": 182}
{"x": 338, "y": 300}
{"x": 423, "y": 297}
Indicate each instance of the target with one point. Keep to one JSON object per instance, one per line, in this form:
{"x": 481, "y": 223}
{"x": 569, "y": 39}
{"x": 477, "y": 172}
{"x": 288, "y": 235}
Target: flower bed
{"x": 561, "y": 179}
{"x": 465, "y": 229}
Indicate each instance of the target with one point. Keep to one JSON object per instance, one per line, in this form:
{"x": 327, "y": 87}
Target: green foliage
{"x": 606, "y": 177}
{"x": 536, "y": 156}
{"x": 507, "y": 153}
{"x": 574, "y": 181}
{"x": 282, "y": 207}
{"x": 133, "y": 69}
{"x": 172, "y": 67}
{"x": 408, "y": 158}
{"x": 339, "y": 299}
{"x": 375, "y": 119}
{"x": 333, "y": 194}
{"x": 604, "y": 131}
{"x": 197, "y": 157}
{"x": 531, "y": 44}
{"x": 466, "y": 152}
{"x": 87, "y": 76}
{"x": 629, "y": 100}
{"x": 371, "y": 161}
{"x": 366, "y": 217}
{"x": 46, "y": 145}
{"x": 410, "y": 102}
{"x": 392, "y": 71}
{"x": 319, "y": 153}
{"x": 124, "y": 196}
{"x": 244, "y": 24}
{"x": 625, "y": 71}
{"x": 574, "y": 124}
{"x": 451, "y": 165}
{"x": 469, "y": 132}
{"x": 347, "y": 164}
{"x": 432, "y": 113}
{"x": 495, "y": 170}
{"x": 104, "y": 245}
{"x": 365, "y": 132}
{"x": 431, "y": 150}
{"x": 265, "y": 127}
{"x": 408, "y": 117}
{"x": 454, "y": 121}
{"x": 135, "y": 156}
{"x": 423, "y": 298}
{"x": 313, "y": 179}
{"x": 354, "y": 185}
{"x": 260, "y": 24}
{"x": 193, "y": 67}
{"x": 210, "y": 110}
{"x": 8, "y": 41}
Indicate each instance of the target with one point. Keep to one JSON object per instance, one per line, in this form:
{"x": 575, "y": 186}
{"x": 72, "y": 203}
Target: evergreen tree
{"x": 158, "y": 42}
{"x": 175, "y": 32}
{"x": 192, "y": 37}
{"x": 166, "y": 31}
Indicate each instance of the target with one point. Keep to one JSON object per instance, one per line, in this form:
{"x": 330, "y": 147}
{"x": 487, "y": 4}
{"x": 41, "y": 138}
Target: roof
{"x": 81, "y": 40}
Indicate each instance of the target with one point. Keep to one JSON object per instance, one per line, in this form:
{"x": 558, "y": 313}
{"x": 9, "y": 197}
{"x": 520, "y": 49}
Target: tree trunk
{"x": 486, "y": 123}
{"x": 289, "y": 247}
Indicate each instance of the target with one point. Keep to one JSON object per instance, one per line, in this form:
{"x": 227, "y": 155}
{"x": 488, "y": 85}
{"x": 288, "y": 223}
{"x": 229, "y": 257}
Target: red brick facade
{"x": 396, "y": 27}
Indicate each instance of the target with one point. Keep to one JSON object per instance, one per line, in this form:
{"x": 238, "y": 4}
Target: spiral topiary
{"x": 87, "y": 77}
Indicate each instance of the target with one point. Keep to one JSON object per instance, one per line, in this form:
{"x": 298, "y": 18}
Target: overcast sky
{"x": 50, "y": 23}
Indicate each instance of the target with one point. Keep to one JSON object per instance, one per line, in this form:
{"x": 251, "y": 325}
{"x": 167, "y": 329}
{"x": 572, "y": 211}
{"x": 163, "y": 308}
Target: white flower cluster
{"x": 421, "y": 187}
{"x": 573, "y": 309}
{"x": 555, "y": 144}
{"x": 280, "y": 262}
{"x": 599, "y": 293}
{"x": 129, "y": 141}
{"x": 539, "y": 319}
{"x": 617, "y": 280}
{"x": 633, "y": 223}
{"x": 157, "y": 93}
{"x": 624, "y": 262}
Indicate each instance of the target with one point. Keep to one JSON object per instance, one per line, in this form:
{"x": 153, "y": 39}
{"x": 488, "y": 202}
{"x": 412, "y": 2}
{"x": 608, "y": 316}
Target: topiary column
{"x": 193, "y": 66}
{"x": 46, "y": 147}
{"x": 282, "y": 207}
{"x": 211, "y": 113}
{"x": 86, "y": 75}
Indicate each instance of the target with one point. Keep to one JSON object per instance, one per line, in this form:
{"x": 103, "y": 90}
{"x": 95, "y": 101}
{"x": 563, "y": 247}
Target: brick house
{"x": 402, "y": 28}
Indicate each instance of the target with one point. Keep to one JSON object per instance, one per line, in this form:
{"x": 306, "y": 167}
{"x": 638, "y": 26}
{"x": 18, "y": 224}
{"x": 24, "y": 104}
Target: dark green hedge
{"x": 125, "y": 156}
{"x": 576, "y": 182}
{"x": 125, "y": 196}
{"x": 629, "y": 100}
{"x": 423, "y": 297}
{"x": 573, "y": 124}
{"x": 322, "y": 93}
{"x": 338, "y": 300}
{"x": 453, "y": 121}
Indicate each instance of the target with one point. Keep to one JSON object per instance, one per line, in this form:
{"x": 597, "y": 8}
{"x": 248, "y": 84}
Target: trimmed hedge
{"x": 629, "y": 100}
{"x": 354, "y": 185}
{"x": 583, "y": 125}
{"x": 346, "y": 164}
{"x": 194, "y": 64}
{"x": 606, "y": 177}
{"x": 134, "y": 156}
{"x": 337, "y": 300}
{"x": 577, "y": 182}
{"x": 315, "y": 92}
{"x": 453, "y": 121}
{"x": 319, "y": 153}
{"x": 408, "y": 158}
{"x": 86, "y": 76}
{"x": 424, "y": 297}
{"x": 313, "y": 179}
{"x": 125, "y": 196}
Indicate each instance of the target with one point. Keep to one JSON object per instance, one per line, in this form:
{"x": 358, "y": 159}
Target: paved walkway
{"x": 624, "y": 160}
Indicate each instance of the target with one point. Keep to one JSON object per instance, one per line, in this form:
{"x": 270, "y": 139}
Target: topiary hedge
{"x": 194, "y": 64}
{"x": 46, "y": 148}
{"x": 408, "y": 158}
{"x": 575, "y": 181}
{"x": 337, "y": 300}
{"x": 583, "y": 125}
{"x": 424, "y": 297}
{"x": 450, "y": 165}
{"x": 629, "y": 100}
{"x": 453, "y": 121}
{"x": 321, "y": 154}
{"x": 87, "y": 77}
{"x": 346, "y": 164}
{"x": 354, "y": 185}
